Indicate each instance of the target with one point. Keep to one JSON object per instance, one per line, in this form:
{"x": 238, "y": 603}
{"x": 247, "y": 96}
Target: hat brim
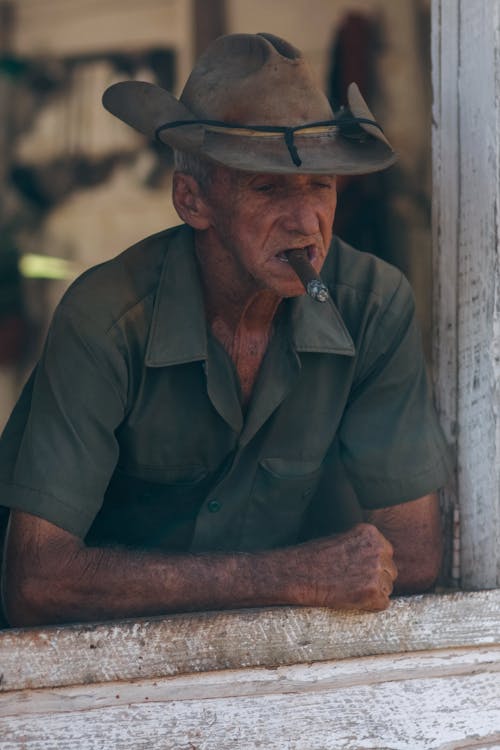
{"x": 147, "y": 108}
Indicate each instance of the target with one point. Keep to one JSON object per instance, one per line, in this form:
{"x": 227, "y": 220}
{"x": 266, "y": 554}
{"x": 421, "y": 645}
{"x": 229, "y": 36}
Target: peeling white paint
{"x": 466, "y": 146}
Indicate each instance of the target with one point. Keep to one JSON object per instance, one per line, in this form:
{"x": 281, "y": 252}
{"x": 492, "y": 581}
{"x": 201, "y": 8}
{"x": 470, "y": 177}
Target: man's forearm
{"x": 51, "y": 576}
{"x": 101, "y": 583}
{"x": 124, "y": 583}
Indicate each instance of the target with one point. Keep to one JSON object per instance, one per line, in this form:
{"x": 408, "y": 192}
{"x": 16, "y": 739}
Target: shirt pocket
{"x": 179, "y": 475}
{"x": 152, "y": 508}
{"x": 281, "y": 493}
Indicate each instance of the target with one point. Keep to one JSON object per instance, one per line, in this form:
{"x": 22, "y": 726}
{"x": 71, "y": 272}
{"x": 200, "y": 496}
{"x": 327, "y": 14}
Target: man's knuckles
{"x": 353, "y": 570}
{"x": 367, "y": 536}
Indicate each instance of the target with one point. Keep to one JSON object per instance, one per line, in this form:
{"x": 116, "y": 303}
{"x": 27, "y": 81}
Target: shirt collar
{"x": 318, "y": 327}
{"x": 178, "y": 330}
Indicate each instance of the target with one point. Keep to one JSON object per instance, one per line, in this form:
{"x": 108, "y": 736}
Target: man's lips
{"x": 312, "y": 253}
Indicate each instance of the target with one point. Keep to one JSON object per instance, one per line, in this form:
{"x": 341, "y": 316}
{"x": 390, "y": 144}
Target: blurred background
{"x": 77, "y": 186}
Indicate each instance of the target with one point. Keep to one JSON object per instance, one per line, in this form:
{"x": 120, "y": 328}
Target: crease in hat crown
{"x": 251, "y": 103}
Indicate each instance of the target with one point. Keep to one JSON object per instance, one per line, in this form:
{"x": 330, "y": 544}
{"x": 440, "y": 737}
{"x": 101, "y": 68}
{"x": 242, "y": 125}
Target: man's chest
{"x": 189, "y": 417}
{"x": 192, "y": 467}
{"x": 246, "y": 348}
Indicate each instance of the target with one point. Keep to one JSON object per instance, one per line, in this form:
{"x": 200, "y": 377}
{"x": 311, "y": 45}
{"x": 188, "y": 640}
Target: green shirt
{"x": 131, "y": 430}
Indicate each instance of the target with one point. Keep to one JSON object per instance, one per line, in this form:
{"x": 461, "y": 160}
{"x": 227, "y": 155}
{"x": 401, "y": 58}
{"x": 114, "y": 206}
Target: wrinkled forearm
{"x": 97, "y": 584}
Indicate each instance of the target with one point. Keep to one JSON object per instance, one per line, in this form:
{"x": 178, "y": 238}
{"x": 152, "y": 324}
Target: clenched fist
{"x": 353, "y": 570}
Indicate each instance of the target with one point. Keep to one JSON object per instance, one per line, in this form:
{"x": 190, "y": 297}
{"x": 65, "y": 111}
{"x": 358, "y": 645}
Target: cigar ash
{"x": 299, "y": 261}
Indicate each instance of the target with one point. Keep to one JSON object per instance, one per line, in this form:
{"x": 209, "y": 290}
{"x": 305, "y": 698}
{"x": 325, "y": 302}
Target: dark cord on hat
{"x": 344, "y": 123}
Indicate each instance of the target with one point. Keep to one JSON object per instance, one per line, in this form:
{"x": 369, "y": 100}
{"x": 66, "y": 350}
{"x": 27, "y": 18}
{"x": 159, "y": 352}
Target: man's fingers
{"x": 353, "y": 569}
{"x": 388, "y": 576}
{"x": 388, "y": 548}
{"x": 387, "y": 583}
{"x": 391, "y": 569}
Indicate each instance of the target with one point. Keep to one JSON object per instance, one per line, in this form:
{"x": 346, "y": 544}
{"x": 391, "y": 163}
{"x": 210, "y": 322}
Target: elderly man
{"x": 200, "y": 433}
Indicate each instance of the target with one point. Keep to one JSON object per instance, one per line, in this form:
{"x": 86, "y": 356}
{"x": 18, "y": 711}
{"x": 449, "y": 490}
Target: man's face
{"x": 257, "y": 218}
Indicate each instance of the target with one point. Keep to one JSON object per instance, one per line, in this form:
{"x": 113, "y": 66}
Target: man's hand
{"x": 353, "y": 570}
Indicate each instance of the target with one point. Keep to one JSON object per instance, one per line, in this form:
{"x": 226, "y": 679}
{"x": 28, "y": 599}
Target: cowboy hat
{"x": 250, "y": 103}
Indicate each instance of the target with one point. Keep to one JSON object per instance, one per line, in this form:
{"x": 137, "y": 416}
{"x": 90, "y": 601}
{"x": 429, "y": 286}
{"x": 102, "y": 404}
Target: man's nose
{"x": 302, "y": 216}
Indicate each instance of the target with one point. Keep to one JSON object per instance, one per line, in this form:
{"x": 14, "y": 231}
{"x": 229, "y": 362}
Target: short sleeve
{"x": 391, "y": 444}
{"x": 59, "y": 450}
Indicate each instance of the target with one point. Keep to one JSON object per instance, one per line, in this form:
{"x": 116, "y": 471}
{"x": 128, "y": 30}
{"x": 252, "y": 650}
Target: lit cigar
{"x": 313, "y": 285}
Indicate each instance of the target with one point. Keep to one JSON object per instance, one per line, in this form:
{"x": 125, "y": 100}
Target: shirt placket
{"x": 219, "y": 522}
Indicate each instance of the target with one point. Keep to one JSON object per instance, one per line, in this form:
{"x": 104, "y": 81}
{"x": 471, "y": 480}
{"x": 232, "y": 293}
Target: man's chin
{"x": 288, "y": 291}
{"x": 283, "y": 288}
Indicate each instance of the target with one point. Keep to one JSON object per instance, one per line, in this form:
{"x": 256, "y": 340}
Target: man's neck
{"x": 240, "y": 314}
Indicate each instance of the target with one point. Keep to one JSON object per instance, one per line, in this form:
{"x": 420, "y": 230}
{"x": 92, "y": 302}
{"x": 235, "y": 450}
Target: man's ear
{"x": 189, "y": 201}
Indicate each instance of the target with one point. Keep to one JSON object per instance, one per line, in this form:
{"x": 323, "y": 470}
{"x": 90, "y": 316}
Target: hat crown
{"x": 254, "y": 79}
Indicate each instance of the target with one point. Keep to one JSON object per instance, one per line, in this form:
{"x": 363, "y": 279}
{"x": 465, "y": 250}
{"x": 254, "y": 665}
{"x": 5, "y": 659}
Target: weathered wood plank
{"x": 466, "y": 141}
{"x": 331, "y": 675}
{"x": 442, "y": 699}
{"x": 159, "y": 647}
{"x": 445, "y": 181}
{"x": 479, "y": 314}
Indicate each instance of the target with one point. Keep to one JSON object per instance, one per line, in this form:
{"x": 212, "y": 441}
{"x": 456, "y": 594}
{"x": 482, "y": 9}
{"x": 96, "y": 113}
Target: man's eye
{"x": 266, "y": 188}
{"x": 324, "y": 185}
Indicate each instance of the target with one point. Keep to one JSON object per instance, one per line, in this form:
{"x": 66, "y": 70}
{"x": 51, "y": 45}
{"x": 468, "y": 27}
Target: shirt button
{"x": 213, "y": 506}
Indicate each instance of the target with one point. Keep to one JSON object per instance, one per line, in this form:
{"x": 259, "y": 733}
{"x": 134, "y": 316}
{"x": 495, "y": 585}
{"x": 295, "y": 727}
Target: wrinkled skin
{"x": 252, "y": 219}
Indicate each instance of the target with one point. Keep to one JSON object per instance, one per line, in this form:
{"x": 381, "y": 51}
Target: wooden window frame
{"x": 466, "y": 241}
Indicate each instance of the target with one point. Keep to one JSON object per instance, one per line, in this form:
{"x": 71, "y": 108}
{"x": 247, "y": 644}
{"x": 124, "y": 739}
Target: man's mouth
{"x": 309, "y": 249}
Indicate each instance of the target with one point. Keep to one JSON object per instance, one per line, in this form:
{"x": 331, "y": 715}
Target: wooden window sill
{"x": 160, "y": 647}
